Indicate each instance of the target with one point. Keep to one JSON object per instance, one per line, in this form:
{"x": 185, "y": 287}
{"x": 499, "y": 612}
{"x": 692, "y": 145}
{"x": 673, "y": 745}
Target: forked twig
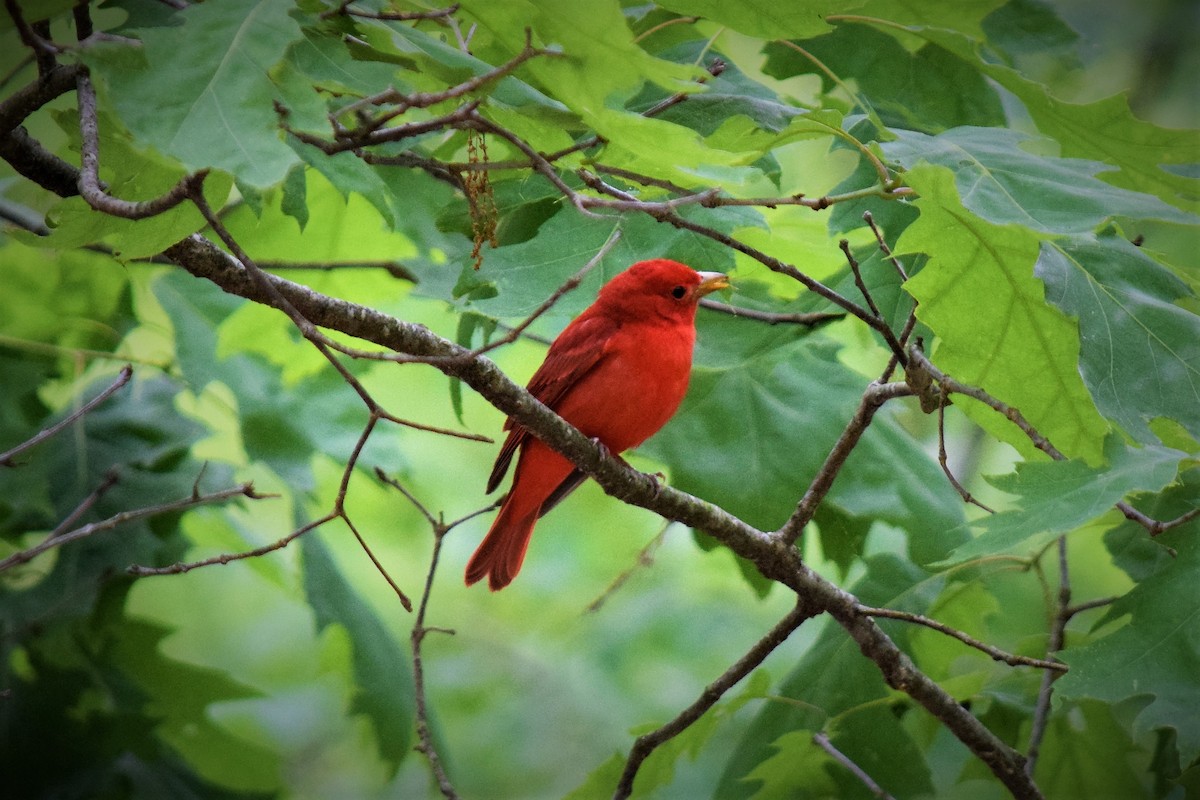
{"x": 420, "y": 630}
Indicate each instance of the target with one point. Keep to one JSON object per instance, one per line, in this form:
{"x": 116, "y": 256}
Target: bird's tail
{"x": 500, "y": 554}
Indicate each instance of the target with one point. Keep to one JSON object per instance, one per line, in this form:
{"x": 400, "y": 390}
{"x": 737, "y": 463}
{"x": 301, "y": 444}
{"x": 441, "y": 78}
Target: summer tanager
{"x": 617, "y": 373}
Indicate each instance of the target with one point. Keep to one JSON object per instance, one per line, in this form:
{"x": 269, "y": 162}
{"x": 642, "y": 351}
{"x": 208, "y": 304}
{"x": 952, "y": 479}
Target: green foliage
{"x": 1155, "y": 653}
{"x": 1046, "y": 236}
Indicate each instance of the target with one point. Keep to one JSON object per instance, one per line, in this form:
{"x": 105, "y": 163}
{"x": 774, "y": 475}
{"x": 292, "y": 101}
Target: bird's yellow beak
{"x": 711, "y": 282}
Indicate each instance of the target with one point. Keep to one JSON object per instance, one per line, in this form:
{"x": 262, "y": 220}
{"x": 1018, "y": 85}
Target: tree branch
{"x": 647, "y": 743}
{"x": 776, "y": 560}
{"x": 89, "y": 174}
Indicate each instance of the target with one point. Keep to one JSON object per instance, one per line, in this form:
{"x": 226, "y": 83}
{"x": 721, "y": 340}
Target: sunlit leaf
{"x": 979, "y": 295}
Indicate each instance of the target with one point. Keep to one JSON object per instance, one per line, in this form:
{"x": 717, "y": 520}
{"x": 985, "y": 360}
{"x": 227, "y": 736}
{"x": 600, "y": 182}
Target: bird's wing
{"x": 577, "y": 351}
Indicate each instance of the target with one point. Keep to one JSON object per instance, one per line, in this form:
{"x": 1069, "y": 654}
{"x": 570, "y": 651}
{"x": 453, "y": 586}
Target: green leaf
{"x": 600, "y": 69}
{"x": 1104, "y": 130}
{"x": 967, "y": 16}
{"x": 600, "y": 782}
{"x": 1132, "y": 331}
{"x": 1003, "y": 180}
{"x": 181, "y": 695}
{"x": 201, "y": 92}
{"x": 799, "y": 768}
{"x": 1060, "y": 496}
{"x": 1030, "y": 32}
{"x": 1086, "y": 753}
{"x": 91, "y": 298}
{"x": 1156, "y": 655}
{"x": 927, "y": 90}
{"x": 341, "y": 227}
{"x": 293, "y": 203}
{"x": 382, "y": 673}
{"x": 995, "y": 330}
{"x": 730, "y": 94}
{"x": 764, "y": 18}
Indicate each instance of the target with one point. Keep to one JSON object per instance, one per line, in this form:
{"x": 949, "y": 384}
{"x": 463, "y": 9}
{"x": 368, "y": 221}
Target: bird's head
{"x": 660, "y": 287}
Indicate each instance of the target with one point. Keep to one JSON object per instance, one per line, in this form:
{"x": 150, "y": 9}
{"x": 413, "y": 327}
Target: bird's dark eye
{"x": 679, "y": 292}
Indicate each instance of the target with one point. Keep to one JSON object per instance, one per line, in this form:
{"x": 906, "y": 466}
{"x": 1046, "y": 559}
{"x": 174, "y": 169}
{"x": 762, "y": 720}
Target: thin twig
{"x": 244, "y": 490}
{"x": 942, "y": 459}
{"x": 810, "y": 319}
{"x": 6, "y": 458}
{"x": 1154, "y": 526}
{"x": 869, "y": 218}
{"x": 1012, "y": 659}
{"x": 1099, "y": 602}
{"x": 339, "y": 507}
{"x": 1013, "y": 415}
{"x": 404, "y": 102}
{"x": 1058, "y": 629}
{"x": 35, "y": 36}
{"x": 645, "y": 559}
{"x": 822, "y": 741}
{"x": 647, "y": 743}
{"x": 417, "y": 639}
{"x": 110, "y": 480}
{"x": 656, "y": 28}
{"x": 844, "y": 244}
{"x": 569, "y": 285}
{"x": 180, "y": 567}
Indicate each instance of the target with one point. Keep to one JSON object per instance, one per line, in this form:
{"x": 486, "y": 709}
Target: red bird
{"x": 617, "y": 373}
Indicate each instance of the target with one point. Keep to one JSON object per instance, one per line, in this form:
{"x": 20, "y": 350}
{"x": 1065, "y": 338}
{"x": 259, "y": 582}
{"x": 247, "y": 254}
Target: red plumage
{"x": 617, "y": 373}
